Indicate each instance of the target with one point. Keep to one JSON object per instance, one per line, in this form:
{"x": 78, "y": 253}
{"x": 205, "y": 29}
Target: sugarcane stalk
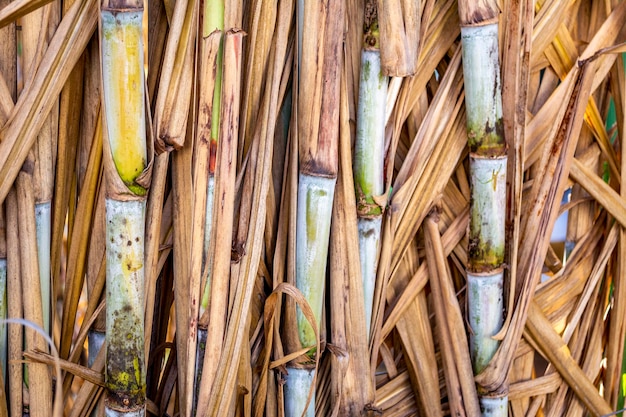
{"x": 318, "y": 130}
{"x": 214, "y": 318}
{"x": 204, "y": 184}
{"x": 488, "y": 165}
{"x": 125, "y": 158}
{"x": 3, "y": 294}
{"x": 369, "y": 155}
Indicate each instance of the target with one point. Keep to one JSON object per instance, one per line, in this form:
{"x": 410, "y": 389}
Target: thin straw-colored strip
{"x": 40, "y": 385}
{"x": 67, "y": 146}
{"x": 16, "y": 9}
{"x": 617, "y": 320}
{"x": 14, "y": 306}
{"x": 154, "y": 240}
{"x": 450, "y": 239}
{"x": 78, "y": 249}
{"x": 453, "y": 344}
{"x": 89, "y": 393}
{"x": 415, "y": 332}
{"x": 558, "y": 354}
{"x": 539, "y": 386}
{"x": 599, "y": 190}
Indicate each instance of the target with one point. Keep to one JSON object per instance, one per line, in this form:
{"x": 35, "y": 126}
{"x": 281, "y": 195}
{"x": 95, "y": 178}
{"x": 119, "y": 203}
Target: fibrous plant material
{"x": 214, "y": 318}
{"x": 399, "y": 23}
{"x": 126, "y": 160}
{"x": 369, "y": 153}
{"x": 488, "y": 167}
{"x": 317, "y": 112}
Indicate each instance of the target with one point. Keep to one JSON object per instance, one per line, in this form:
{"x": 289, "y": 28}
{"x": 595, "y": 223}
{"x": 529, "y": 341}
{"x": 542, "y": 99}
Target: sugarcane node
{"x": 478, "y": 13}
{"x": 115, "y": 6}
{"x": 367, "y": 208}
{"x": 237, "y": 252}
{"x": 487, "y": 141}
{"x": 317, "y": 168}
{"x": 28, "y": 166}
{"x": 123, "y": 403}
{"x": 371, "y": 410}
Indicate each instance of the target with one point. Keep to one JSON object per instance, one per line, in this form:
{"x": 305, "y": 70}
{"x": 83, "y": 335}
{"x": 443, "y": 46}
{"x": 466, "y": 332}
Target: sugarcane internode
{"x": 488, "y": 170}
{"x": 125, "y": 161}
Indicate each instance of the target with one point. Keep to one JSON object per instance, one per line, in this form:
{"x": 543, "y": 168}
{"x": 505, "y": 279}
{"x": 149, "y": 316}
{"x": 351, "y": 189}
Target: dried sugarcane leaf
{"x": 19, "y": 134}
{"x": 175, "y": 87}
{"x": 399, "y": 25}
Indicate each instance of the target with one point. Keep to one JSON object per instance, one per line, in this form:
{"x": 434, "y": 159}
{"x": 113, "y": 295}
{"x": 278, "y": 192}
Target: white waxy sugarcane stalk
{"x": 488, "y": 166}
{"x": 43, "y": 219}
{"x": 318, "y": 81}
{"x": 3, "y": 316}
{"x": 125, "y": 157}
{"x": 3, "y": 295}
{"x": 369, "y": 151}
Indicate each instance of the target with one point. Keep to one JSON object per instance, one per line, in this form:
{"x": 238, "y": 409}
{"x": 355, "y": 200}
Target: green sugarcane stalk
{"x": 369, "y": 149}
{"x": 125, "y": 157}
{"x": 488, "y": 165}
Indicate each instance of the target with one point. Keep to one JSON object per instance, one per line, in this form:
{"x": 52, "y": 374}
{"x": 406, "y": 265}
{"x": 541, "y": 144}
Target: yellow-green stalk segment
{"x": 318, "y": 83}
{"x": 369, "y": 150}
{"x": 488, "y": 165}
{"x": 125, "y": 157}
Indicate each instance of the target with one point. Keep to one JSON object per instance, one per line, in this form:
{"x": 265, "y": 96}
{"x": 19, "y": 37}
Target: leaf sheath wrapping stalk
{"x": 224, "y": 212}
{"x": 478, "y": 12}
{"x": 318, "y": 91}
{"x": 175, "y": 87}
{"x": 399, "y": 23}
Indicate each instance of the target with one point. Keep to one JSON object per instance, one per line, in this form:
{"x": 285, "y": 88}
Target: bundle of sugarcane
{"x": 312, "y": 208}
